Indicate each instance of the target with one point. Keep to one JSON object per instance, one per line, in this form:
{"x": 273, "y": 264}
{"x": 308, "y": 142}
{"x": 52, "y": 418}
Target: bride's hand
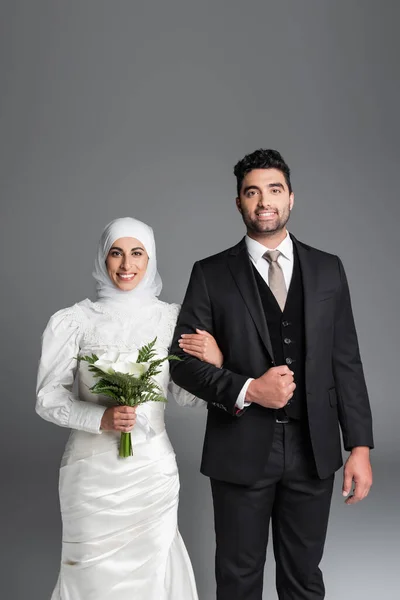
{"x": 202, "y": 345}
{"x": 119, "y": 418}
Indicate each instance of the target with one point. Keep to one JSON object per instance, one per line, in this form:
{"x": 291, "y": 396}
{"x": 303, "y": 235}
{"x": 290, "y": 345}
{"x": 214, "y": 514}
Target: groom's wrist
{"x": 253, "y": 392}
{"x": 241, "y": 401}
{"x": 360, "y": 450}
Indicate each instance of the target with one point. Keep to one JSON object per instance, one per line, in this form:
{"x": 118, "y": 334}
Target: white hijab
{"x": 149, "y": 287}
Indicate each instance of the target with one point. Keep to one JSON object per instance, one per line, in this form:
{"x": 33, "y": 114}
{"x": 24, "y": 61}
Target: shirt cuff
{"x": 241, "y": 402}
{"x": 86, "y": 416}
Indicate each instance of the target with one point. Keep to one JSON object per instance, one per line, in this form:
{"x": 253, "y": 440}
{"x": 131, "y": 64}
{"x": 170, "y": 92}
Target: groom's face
{"x": 265, "y": 201}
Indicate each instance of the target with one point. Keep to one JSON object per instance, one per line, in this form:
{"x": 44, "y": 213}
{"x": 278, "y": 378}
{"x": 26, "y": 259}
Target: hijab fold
{"x": 149, "y": 287}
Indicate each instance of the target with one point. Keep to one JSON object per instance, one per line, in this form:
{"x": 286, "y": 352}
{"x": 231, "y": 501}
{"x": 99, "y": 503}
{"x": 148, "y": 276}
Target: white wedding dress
{"x": 120, "y": 539}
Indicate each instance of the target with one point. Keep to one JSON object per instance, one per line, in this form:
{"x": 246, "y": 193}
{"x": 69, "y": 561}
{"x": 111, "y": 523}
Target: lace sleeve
{"x": 182, "y": 397}
{"x": 55, "y": 400}
{"x": 172, "y": 317}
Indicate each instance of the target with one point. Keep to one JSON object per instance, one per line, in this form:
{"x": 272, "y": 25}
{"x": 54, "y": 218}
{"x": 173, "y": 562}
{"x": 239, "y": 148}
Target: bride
{"x": 120, "y": 538}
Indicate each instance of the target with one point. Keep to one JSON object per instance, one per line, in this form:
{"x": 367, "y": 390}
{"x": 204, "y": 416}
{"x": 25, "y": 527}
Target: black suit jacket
{"x": 222, "y": 298}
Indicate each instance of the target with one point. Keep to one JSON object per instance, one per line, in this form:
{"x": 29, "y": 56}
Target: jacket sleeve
{"x": 353, "y": 403}
{"x": 219, "y": 387}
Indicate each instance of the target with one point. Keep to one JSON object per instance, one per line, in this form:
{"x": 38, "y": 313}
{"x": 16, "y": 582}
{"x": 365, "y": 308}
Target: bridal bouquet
{"x": 128, "y": 378}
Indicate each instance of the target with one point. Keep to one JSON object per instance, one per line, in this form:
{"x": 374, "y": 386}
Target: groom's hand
{"x": 273, "y": 389}
{"x": 358, "y": 470}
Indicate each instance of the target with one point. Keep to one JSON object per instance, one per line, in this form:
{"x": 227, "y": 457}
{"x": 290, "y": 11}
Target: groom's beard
{"x": 266, "y": 227}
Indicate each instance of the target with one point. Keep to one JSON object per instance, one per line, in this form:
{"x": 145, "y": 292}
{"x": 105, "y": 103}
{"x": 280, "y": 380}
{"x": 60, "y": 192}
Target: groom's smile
{"x": 266, "y": 215}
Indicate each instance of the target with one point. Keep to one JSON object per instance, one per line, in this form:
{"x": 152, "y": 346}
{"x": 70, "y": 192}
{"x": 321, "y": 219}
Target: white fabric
{"x": 149, "y": 287}
{"x": 120, "y": 535}
{"x": 241, "y": 399}
{"x": 286, "y": 261}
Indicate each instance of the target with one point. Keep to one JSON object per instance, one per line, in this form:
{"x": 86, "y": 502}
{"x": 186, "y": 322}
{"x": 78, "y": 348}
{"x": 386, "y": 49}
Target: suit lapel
{"x": 309, "y": 277}
{"x": 242, "y": 272}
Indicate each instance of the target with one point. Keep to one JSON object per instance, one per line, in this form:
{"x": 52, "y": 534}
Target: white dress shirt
{"x": 285, "y": 261}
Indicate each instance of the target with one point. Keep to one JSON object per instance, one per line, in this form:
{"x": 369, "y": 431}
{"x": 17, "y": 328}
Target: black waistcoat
{"x": 287, "y": 333}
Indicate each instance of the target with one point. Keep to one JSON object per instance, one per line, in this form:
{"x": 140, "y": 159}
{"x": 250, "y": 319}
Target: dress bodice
{"x": 106, "y": 330}
{"x": 92, "y": 327}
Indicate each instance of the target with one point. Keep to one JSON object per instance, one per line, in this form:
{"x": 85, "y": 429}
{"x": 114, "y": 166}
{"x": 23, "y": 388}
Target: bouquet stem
{"x": 125, "y": 446}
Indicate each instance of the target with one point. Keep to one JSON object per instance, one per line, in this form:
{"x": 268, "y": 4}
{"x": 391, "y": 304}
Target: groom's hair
{"x": 261, "y": 159}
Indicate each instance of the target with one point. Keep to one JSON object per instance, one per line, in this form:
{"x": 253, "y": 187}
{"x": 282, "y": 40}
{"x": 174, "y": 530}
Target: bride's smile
{"x": 127, "y": 263}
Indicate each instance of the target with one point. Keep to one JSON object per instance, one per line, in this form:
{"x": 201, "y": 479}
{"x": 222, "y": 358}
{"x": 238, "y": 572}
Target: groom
{"x": 280, "y": 312}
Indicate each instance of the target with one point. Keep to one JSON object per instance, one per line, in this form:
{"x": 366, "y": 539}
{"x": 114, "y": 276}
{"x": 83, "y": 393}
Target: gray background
{"x": 123, "y": 108}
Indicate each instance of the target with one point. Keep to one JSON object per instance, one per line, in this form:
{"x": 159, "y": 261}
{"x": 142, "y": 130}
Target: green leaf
{"x": 89, "y": 359}
{"x": 173, "y": 357}
{"x": 147, "y": 352}
{"x": 100, "y": 388}
{"x": 151, "y": 397}
{"x": 108, "y": 393}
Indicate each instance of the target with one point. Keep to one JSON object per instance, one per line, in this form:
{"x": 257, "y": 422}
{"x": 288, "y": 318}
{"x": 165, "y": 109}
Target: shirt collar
{"x": 257, "y": 250}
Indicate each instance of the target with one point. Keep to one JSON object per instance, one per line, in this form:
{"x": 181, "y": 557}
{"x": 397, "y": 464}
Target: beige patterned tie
{"x": 276, "y": 279}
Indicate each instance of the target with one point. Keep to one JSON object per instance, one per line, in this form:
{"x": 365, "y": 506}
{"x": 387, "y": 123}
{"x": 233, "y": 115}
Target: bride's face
{"x": 127, "y": 263}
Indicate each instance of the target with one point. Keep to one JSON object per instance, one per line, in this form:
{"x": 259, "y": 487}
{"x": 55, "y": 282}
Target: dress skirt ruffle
{"x": 119, "y": 515}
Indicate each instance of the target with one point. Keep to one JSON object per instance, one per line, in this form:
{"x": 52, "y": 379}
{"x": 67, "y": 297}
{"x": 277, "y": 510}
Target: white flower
{"x": 107, "y": 360}
{"x": 129, "y": 356}
{"x": 121, "y": 366}
{"x": 138, "y": 369}
{"x": 122, "y": 362}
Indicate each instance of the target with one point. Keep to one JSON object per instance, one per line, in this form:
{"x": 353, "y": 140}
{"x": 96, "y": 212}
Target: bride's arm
{"x": 55, "y": 400}
{"x": 203, "y": 346}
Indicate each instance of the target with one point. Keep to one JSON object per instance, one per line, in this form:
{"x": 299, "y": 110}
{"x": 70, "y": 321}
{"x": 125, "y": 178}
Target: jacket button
{"x": 287, "y": 341}
{"x": 285, "y": 323}
{"x": 289, "y": 361}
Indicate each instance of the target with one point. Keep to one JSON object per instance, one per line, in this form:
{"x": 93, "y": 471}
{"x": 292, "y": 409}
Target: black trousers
{"x": 297, "y": 503}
